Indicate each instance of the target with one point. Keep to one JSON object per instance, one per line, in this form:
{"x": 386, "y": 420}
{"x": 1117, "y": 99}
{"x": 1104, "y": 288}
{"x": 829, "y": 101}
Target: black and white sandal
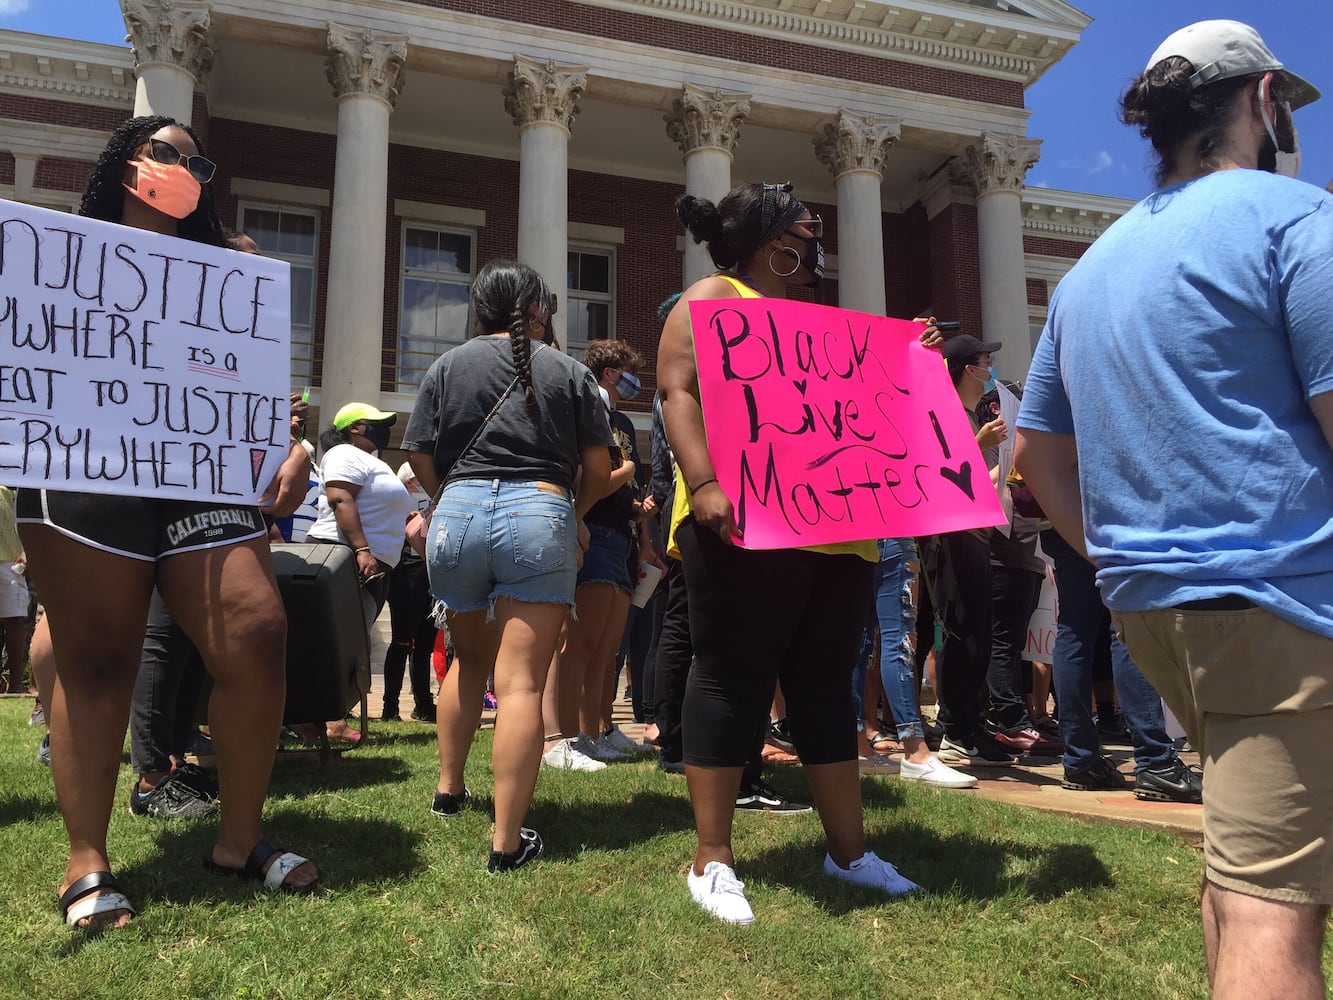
{"x": 78, "y": 902}
{"x": 276, "y": 875}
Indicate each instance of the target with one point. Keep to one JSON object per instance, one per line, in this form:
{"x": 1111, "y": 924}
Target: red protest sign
{"x": 826, "y": 425}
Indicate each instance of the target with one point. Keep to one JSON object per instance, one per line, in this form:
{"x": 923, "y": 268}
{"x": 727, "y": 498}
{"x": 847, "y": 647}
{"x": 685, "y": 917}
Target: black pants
{"x": 1014, "y": 596}
{"x": 413, "y": 634}
{"x": 958, "y": 565}
{"x": 674, "y": 653}
{"x": 760, "y": 616}
{"x": 166, "y": 692}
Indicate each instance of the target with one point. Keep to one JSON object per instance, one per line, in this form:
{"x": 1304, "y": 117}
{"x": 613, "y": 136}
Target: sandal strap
{"x": 87, "y": 907}
{"x": 259, "y": 855}
{"x": 281, "y": 868}
{"x": 85, "y": 886}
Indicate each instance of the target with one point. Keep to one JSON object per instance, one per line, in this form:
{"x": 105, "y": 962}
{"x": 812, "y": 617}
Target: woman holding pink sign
{"x": 97, "y": 559}
{"x": 760, "y": 616}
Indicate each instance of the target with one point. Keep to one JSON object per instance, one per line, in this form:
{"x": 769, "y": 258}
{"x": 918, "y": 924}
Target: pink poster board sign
{"x": 826, "y": 425}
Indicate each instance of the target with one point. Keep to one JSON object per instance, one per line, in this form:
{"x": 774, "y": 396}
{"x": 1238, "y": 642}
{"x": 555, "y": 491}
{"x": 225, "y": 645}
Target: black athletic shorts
{"x": 143, "y": 528}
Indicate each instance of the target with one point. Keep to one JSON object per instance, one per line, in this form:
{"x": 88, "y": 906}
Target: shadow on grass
{"x": 970, "y": 867}
{"x": 21, "y": 808}
{"x": 569, "y": 827}
{"x": 342, "y": 773}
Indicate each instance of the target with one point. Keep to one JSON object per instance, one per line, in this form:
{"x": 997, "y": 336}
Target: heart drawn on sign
{"x": 960, "y": 477}
{"x": 800, "y": 384}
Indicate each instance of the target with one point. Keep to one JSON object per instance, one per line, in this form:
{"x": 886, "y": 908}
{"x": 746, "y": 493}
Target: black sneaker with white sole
{"x": 982, "y": 751}
{"x": 447, "y": 804}
{"x": 172, "y": 798}
{"x": 1176, "y": 782}
{"x": 778, "y": 736}
{"x": 197, "y": 778}
{"x": 1099, "y": 775}
{"x": 529, "y": 850}
{"x": 762, "y": 797}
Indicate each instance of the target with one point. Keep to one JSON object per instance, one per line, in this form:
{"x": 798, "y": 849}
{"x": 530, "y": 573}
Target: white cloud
{"x": 1038, "y": 184}
{"x": 1102, "y": 161}
{"x": 1095, "y": 164}
{"x": 8, "y": 7}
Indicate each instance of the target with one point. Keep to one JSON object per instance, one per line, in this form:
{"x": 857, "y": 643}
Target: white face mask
{"x": 1288, "y": 164}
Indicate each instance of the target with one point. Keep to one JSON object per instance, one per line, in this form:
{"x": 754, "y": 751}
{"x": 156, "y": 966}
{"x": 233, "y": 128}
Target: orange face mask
{"x": 172, "y": 190}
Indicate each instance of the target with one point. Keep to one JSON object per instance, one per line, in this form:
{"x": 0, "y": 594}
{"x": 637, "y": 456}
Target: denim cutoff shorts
{"x": 607, "y": 558}
{"x": 493, "y": 538}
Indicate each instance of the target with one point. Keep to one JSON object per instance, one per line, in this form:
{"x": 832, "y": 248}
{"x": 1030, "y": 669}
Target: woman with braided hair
{"x": 502, "y": 424}
{"x": 98, "y": 559}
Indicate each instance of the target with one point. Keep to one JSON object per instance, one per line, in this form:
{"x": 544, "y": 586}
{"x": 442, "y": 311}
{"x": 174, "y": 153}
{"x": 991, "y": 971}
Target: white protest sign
{"x": 139, "y": 364}
{"x": 1008, "y": 413}
{"x": 1040, "y": 647}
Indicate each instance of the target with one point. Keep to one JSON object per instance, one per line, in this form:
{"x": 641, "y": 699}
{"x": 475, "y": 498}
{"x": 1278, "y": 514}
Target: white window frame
{"x": 465, "y": 279}
{"x": 575, "y": 348}
{"x": 254, "y": 204}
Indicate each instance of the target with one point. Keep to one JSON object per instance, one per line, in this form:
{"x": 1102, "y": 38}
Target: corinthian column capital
{"x": 544, "y": 92}
{"x": 857, "y": 143}
{"x": 173, "y": 32}
{"x": 702, "y": 119}
{"x": 999, "y": 162}
{"x": 363, "y": 62}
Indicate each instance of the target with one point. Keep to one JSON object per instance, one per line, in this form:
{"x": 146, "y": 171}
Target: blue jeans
{"x": 896, "y": 612}
{"x": 1081, "y": 617}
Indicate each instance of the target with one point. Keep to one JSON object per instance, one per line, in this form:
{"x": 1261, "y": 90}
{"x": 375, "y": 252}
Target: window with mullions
{"x": 438, "y": 266}
{"x": 589, "y": 303}
{"x": 291, "y": 234}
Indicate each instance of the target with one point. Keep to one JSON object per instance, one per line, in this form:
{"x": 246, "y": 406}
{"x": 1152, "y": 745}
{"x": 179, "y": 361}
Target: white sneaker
{"x": 597, "y": 749}
{"x": 617, "y": 740}
{"x": 872, "y": 872}
{"x": 935, "y": 772}
{"x": 719, "y": 892}
{"x": 563, "y": 757}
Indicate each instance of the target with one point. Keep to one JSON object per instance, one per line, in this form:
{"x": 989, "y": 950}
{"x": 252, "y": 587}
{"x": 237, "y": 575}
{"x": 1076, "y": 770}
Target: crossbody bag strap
{"x": 475, "y": 437}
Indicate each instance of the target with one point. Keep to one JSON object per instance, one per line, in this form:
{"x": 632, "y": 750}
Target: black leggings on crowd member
{"x": 959, "y": 569}
{"x": 413, "y": 634}
{"x": 166, "y": 692}
{"x": 760, "y": 616}
{"x": 674, "y": 653}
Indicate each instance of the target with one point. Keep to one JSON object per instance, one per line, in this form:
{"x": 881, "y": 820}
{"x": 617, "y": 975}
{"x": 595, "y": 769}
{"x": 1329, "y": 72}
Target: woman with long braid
{"x": 504, "y": 422}
{"x": 97, "y": 560}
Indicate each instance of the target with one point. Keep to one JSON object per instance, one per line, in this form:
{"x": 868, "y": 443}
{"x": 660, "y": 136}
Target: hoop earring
{"x": 785, "y": 274}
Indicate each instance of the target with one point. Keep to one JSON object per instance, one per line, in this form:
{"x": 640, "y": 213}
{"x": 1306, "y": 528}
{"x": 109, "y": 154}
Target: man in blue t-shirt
{"x": 1176, "y": 428}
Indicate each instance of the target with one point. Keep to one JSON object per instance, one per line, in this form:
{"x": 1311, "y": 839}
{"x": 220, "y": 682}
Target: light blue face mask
{"x": 628, "y": 385}
{"x": 988, "y": 383}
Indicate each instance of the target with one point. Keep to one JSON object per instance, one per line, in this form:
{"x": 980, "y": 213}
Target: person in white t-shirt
{"x": 364, "y": 504}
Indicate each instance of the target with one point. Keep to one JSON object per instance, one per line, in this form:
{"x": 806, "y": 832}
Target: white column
{"x": 172, "y": 53}
{"x": 705, "y": 125}
{"x": 25, "y": 173}
{"x": 855, "y": 148}
{"x": 542, "y": 99}
{"x": 366, "y": 71}
{"x": 996, "y": 168}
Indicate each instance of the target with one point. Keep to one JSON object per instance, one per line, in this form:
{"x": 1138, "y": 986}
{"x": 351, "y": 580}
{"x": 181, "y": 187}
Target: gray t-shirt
{"x": 520, "y": 442}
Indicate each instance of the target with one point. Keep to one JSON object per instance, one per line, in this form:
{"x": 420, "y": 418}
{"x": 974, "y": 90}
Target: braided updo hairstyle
{"x": 1169, "y": 111}
{"x": 104, "y": 197}
{"x": 503, "y": 294}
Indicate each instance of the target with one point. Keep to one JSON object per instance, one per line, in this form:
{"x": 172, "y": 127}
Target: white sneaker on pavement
{"x": 935, "y": 772}
{"x": 719, "y": 892}
{"x": 563, "y": 757}
{"x": 872, "y": 872}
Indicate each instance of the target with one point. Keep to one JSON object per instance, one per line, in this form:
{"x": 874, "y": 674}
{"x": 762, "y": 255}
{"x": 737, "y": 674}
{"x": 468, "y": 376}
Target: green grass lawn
{"x": 1020, "y": 903}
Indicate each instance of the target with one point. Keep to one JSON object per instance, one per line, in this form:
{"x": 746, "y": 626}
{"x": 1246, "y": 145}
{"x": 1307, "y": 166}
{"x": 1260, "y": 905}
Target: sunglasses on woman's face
{"x": 200, "y": 167}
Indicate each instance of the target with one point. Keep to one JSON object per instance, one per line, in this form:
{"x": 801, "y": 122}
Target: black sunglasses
{"x": 201, "y": 168}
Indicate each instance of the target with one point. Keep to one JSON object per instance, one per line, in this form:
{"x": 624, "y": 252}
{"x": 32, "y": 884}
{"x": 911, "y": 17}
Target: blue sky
{"x": 1073, "y": 105}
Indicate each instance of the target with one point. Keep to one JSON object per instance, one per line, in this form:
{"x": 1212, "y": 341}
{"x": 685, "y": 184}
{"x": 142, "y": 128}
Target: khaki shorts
{"x": 1255, "y": 694}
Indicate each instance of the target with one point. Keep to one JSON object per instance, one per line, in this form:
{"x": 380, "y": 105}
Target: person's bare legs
{"x": 458, "y": 709}
{"x": 837, "y": 793}
{"x": 42, "y": 660}
{"x": 528, "y": 634}
{"x": 613, "y": 630}
{"x": 592, "y": 604}
{"x": 96, "y": 607}
{"x": 551, "y": 699}
{"x": 713, "y": 792}
{"x": 1263, "y": 947}
{"x": 226, "y": 600}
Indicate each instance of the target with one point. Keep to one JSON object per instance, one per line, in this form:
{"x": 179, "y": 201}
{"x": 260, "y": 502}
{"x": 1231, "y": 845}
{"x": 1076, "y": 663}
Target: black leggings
{"x": 760, "y": 616}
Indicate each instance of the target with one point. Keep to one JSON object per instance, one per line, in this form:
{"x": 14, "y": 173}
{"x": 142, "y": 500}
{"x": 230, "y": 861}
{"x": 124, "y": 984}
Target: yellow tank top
{"x": 683, "y": 504}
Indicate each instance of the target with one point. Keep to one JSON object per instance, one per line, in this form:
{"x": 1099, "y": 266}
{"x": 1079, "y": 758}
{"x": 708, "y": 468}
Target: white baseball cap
{"x": 1222, "y": 50}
